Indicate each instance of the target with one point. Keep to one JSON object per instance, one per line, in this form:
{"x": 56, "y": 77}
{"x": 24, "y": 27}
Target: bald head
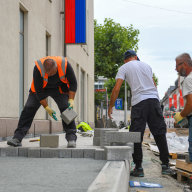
{"x": 50, "y": 67}
{"x": 184, "y": 57}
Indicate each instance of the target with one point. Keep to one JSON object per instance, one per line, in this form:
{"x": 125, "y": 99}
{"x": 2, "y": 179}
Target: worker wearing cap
{"x": 184, "y": 69}
{"x": 52, "y": 76}
{"x": 145, "y": 108}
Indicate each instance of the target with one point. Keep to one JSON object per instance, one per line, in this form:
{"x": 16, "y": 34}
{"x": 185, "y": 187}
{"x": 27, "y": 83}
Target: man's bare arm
{"x": 188, "y": 107}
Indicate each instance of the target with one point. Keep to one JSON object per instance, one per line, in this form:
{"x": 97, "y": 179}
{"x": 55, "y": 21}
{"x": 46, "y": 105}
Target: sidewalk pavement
{"x": 82, "y": 142}
{"x": 49, "y": 174}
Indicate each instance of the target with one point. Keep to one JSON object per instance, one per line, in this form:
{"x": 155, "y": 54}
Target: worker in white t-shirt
{"x": 145, "y": 108}
{"x": 184, "y": 69}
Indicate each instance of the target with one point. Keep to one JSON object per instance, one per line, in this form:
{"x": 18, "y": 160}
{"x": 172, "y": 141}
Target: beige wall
{"x": 41, "y": 17}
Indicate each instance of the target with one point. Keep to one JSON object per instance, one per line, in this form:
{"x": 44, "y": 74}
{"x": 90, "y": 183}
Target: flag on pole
{"x": 75, "y": 21}
{"x": 181, "y": 99}
{"x": 175, "y": 100}
{"x": 170, "y": 102}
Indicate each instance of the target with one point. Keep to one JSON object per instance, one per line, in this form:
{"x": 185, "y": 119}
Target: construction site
{"x": 80, "y": 109}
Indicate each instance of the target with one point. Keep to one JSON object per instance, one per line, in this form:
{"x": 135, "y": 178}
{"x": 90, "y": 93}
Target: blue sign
{"x": 119, "y": 103}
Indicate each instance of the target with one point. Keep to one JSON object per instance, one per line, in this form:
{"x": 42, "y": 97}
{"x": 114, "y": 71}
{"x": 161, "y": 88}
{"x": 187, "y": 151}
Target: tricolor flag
{"x": 75, "y": 21}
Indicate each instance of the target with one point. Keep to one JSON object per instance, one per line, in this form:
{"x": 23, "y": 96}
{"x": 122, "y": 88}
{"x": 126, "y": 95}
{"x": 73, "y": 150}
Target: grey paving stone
{"x": 47, "y": 140}
{"x": 65, "y": 153}
{"x": 118, "y": 153}
{"x": 103, "y": 139}
{"x": 97, "y": 131}
{"x": 9, "y": 151}
{"x": 68, "y": 115}
{"x": 100, "y": 154}
{"x": 23, "y": 152}
{"x": 123, "y": 137}
{"x": 96, "y": 141}
{"x": 49, "y": 153}
{"x": 89, "y": 153}
{"x": 123, "y": 144}
{"x": 77, "y": 153}
{"x": 34, "y": 152}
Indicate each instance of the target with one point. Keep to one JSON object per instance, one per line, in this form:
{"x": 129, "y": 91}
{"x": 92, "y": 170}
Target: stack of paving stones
{"x": 99, "y": 135}
{"x": 117, "y": 145}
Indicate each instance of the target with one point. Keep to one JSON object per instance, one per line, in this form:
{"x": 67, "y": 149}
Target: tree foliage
{"x": 111, "y": 41}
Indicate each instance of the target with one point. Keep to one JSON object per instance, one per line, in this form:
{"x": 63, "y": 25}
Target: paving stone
{"x": 49, "y": 153}
{"x": 77, "y": 153}
{"x": 89, "y": 153}
{"x": 47, "y": 140}
{"x": 122, "y": 137}
{"x": 23, "y": 152}
{"x": 34, "y": 152}
{"x": 100, "y": 154}
{"x": 103, "y": 139}
{"x": 68, "y": 115}
{"x": 97, "y": 131}
{"x": 123, "y": 144}
{"x": 96, "y": 141}
{"x": 65, "y": 153}
{"x": 118, "y": 153}
{"x": 9, "y": 151}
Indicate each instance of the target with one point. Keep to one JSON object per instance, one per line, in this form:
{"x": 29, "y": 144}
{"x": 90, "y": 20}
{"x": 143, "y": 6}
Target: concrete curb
{"x": 114, "y": 177}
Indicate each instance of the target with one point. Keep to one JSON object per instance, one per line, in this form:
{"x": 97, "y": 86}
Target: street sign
{"x": 100, "y": 90}
{"x": 119, "y": 103}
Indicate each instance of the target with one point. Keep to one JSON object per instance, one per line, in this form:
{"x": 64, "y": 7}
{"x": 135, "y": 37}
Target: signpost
{"x": 119, "y": 103}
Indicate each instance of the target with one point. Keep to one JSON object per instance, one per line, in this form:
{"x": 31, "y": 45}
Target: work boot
{"x": 166, "y": 170}
{"x": 71, "y": 144}
{"x": 137, "y": 172}
{"x": 14, "y": 142}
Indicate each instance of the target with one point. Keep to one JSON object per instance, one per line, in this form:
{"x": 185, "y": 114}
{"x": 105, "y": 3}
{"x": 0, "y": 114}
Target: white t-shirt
{"x": 139, "y": 77}
{"x": 187, "y": 87}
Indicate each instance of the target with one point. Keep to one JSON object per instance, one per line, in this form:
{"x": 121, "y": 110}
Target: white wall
{"x": 41, "y": 17}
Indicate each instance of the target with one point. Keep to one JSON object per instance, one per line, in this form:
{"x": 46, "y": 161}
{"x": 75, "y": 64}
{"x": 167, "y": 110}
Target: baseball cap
{"x": 130, "y": 53}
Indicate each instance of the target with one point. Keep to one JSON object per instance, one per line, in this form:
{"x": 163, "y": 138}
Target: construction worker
{"x": 184, "y": 69}
{"x": 145, "y": 108}
{"x": 52, "y": 76}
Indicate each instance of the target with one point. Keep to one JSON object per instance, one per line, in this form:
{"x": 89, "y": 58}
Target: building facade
{"x": 32, "y": 29}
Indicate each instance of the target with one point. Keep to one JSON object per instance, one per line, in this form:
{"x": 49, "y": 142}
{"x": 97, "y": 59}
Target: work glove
{"x": 178, "y": 118}
{"x": 70, "y": 103}
{"x": 51, "y": 112}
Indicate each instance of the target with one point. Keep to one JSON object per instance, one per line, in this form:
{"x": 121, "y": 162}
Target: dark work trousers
{"x": 149, "y": 111}
{"x": 30, "y": 109}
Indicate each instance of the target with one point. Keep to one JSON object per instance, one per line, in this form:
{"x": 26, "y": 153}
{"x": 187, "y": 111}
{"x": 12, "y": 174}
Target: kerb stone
{"x": 100, "y": 154}
{"x": 118, "y": 153}
{"x": 23, "y": 152}
{"x": 89, "y": 153}
{"x": 34, "y": 152}
{"x": 77, "y": 153}
{"x": 65, "y": 153}
{"x": 49, "y": 153}
{"x": 9, "y": 152}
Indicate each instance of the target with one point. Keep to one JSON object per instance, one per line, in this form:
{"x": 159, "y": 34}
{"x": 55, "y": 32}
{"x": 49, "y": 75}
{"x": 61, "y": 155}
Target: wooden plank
{"x": 181, "y": 164}
{"x": 183, "y": 175}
